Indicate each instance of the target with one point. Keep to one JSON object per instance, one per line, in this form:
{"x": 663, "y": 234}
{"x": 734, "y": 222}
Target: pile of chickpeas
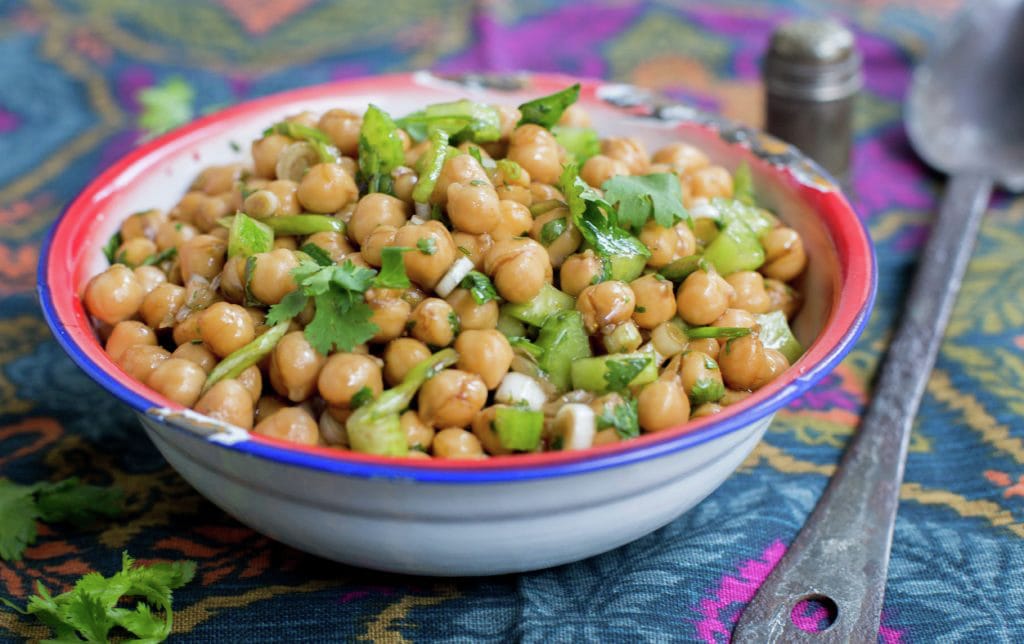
{"x": 169, "y": 324}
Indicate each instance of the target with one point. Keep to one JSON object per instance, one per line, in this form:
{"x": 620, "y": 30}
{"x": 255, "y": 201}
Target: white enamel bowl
{"x": 504, "y": 514}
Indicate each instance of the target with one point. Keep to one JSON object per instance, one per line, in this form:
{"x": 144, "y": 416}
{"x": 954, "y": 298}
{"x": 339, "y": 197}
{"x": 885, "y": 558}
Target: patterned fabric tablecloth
{"x": 69, "y": 74}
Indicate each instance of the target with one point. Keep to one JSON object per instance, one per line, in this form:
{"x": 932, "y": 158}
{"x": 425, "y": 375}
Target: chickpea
{"x": 606, "y": 305}
{"x": 372, "y": 250}
{"x": 149, "y": 277}
{"x": 742, "y": 362}
{"x": 202, "y": 255}
{"x": 575, "y": 116}
{"x": 405, "y": 180}
{"x": 179, "y": 380}
{"x": 401, "y": 355}
{"x": 750, "y": 293}
{"x": 454, "y": 442}
{"x": 343, "y": 128}
{"x": 374, "y": 210}
{"x": 606, "y": 437}
{"x": 782, "y": 297}
{"x": 628, "y": 150}
{"x": 733, "y": 397}
{"x": 287, "y": 195}
{"x": 271, "y": 275}
{"x": 707, "y": 346}
{"x": 186, "y": 208}
{"x": 699, "y": 370}
{"x": 518, "y": 194}
{"x": 683, "y": 157}
{"x": 519, "y": 268}
{"x": 292, "y": 424}
{"x": 252, "y": 379}
{"x": 485, "y": 353}
{"x": 142, "y": 225}
{"x": 508, "y": 117}
{"x": 139, "y": 360}
{"x": 600, "y": 168}
{"x": 433, "y": 251}
{"x": 267, "y": 406}
{"x": 172, "y": 234}
{"x": 460, "y": 168}
{"x": 703, "y": 297}
{"x": 655, "y": 301}
{"x": 187, "y": 330}
{"x": 667, "y": 244}
{"x": 535, "y": 149}
{"x": 418, "y": 434}
{"x": 135, "y": 250}
{"x": 662, "y": 404}
{"x": 434, "y": 322}
{"x": 710, "y": 182}
{"x": 775, "y": 363}
{"x": 416, "y": 152}
{"x": 414, "y": 295}
{"x": 473, "y": 208}
{"x": 161, "y": 305}
{"x": 114, "y": 294}
{"x": 198, "y": 354}
{"x": 217, "y": 179}
{"x": 509, "y": 173}
{"x": 555, "y": 230}
{"x": 474, "y": 247}
{"x": 295, "y": 366}
{"x": 390, "y": 313}
{"x": 784, "y": 255}
{"x": 345, "y": 374}
{"x": 473, "y": 316}
{"x": 229, "y": 402}
{"x": 208, "y": 212}
{"x": 707, "y": 409}
{"x": 736, "y": 318}
{"x": 483, "y": 429}
{"x": 452, "y": 398}
{"x": 544, "y": 192}
{"x": 128, "y": 333}
{"x": 332, "y": 427}
{"x": 225, "y": 328}
{"x": 335, "y": 244}
{"x": 580, "y": 271}
{"x": 220, "y": 233}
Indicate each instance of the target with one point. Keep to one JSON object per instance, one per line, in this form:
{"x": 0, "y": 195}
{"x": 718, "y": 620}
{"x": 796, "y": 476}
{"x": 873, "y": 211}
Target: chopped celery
{"x": 743, "y": 184}
{"x": 546, "y": 110}
{"x": 626, "y": 268}
{"x": 463, "y": 120}
{"x": 580, "y": 142}
{"x": 306, "y": 224}
{"x": 511, "y": 327}
{"x": 431, "y": 164}
{"x": 374, "y": 428}
{"x": 732, "y": 211}
{"x": 776, "y": 334}
{"x": 546, "y": 303}
{"x": 613, "y": 372}
{"x": 678, "y": 270}
{"x": 247, "y": 236}
{"x": 707, "y": 389}
{"x": 520, "y": 344}
{"x": 563, "y": 341}
{"x": 735, "y": 248}
{"x": 518, "y": 428}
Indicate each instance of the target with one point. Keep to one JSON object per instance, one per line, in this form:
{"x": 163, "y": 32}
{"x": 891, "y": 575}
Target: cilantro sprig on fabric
{"x": 641, "y": 198}
{"x": 94, "y": 607}
{"x": 546, "y": 110}
{"x": 68, "y": 500}
{"x": 165, "y": 106}
{"x": 342, "y": 317}
{"x": 380, "y": 150}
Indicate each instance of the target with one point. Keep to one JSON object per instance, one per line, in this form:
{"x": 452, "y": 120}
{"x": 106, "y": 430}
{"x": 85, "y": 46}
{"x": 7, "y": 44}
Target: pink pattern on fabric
{"x": 721, "y": 607}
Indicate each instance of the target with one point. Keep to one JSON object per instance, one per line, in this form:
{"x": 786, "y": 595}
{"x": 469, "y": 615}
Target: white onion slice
{"x": 576, "y": 424}
{"x": 518, "y": 388}
{"x": 460, "y": 268}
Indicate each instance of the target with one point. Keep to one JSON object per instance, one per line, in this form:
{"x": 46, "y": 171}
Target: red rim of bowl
{"x": 63, "y": 250}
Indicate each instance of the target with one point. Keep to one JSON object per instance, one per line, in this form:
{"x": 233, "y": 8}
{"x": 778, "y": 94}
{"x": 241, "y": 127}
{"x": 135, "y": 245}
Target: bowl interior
{"x": 838, "y": 286}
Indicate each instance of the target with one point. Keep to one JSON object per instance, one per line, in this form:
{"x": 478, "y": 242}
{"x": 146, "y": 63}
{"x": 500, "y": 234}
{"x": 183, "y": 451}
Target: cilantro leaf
{"x": 580, "y": 143}
{"x": 480, "y": 287}
{"x": 546, "y": 110}
{"x": 426, "y": 245}
{"x": 110, "y": 248}
{"x": 380, "y": 149}
{"x": 290, "y": 305}
{"x": 19, "y": 512}
{"x": 743, "y": 185}
{"x": 621, "y": 372}
{"x": 318, "y": 254}
{"x": 640, "y": 198}
{"x": 339, "y": 322}
{"x": 95, "y": 605}
{"x": 552, "y": 230}
{"x": 392, "y": 268}
{"x": 161, "y": 257}
{"x": 361, "y": 397}
{"x": 622, "y": 417}
{"x": 165, "y": 106}
{"x": 350, "y": 277}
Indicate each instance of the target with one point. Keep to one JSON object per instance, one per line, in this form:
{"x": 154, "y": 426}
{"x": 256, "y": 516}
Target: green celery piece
{"x": 564, "y": 341}
{"x": 245, "y": 357}
{"x": 484, "y": 124}
{"x": 431, "y": 165}
{"x": 546, "y": 110}
{"x": 732, "y": 211}
{"x": 626, "y": 268}
{"x": 706, "y": 390}
{"x": 681, "y": 268}
{"x": 776, "y": 334}
{"x": 735, "y": 248}
{"x": 518, "y": 428}
{"x": 304, "y": 224}
{"x": 743, "y": 184}
{"x": 591, "y": 373}
{"x": 580, "y": 142}
{"x": 374, "y": 428}
{"x": 509, "y": 326}
{"x": 380, "y": 148}
{"x": 546, "y": 303}
{"x": 247, "y": 236}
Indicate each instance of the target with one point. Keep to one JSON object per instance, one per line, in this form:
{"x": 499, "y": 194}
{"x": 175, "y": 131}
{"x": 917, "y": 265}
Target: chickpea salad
{"x": 462, "y": 281}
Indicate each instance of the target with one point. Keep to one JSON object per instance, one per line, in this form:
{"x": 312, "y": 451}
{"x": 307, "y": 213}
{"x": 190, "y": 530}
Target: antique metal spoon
{"x": 965, "y": 116}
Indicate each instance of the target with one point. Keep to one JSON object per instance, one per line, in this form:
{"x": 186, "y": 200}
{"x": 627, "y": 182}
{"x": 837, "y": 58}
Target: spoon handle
{"x": 841, "y": 555}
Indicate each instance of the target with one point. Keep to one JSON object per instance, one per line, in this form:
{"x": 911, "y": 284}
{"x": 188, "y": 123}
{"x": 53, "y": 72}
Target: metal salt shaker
{"x": 812, "y": 73}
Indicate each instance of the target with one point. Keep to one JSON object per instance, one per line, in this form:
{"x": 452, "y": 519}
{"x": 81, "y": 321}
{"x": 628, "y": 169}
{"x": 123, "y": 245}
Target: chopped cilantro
{"x": 427, "y": 245}
{"x": 552, "y": 230}
{"x": 480, "y": 287}
{"x": 318, "y": 254}
{"x": 110, "y": 248}
{"x": 641, "y": 309}
{"x": 731, "y": 332}
{"x": 486, "y": 163}
{"x": 621, "y": 372}
{"x": 638, "y": 199}
{"x": 380, "y": 150}
{"x": 161, "y": 257}
{"x": 165, "y": 106}
{"x": 454, "y": 322}
{"x": 465, "y": 251}
{"x": 361, "y": 397}
{"x": 66, "y": 501}
{"x": 622, "y": 417}
{"x": 95, "y": 606}
{"x": 546, "y": 110}
{"x": 392, "y": 269}
{"x": 706, "y": 389}
{"x": 235, "y": 147}
{"x": 290, "y": 305}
